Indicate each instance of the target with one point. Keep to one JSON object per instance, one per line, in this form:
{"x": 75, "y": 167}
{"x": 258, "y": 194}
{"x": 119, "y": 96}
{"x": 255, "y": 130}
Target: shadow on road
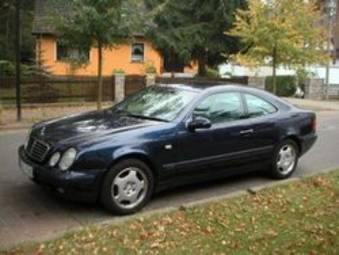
{"x": 172, "y": 197}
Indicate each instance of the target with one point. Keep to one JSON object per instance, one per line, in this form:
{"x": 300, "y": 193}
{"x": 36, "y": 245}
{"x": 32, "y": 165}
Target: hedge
{"x": 286, "y": 85}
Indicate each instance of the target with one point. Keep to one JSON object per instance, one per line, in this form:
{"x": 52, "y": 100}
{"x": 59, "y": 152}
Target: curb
{"x": 57, "y": 105}
{"x": 315, "y": 105}
{"x": 8, "y": 129}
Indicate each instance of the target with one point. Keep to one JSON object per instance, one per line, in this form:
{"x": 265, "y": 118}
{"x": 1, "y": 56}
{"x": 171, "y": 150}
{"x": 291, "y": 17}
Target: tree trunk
{"x": 202, "y": 71}
{"x": 274, "y": 70}
{"x": 100, "y": 61}
{"x": 17, "y": 58}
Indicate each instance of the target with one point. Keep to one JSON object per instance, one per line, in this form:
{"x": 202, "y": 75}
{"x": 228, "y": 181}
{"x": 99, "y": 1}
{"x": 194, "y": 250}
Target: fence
{"x": 205, "y": 81}
{"x": 133, "y": 83}
{"x": 84, "y": 88}
{"x": 55, "y": 89}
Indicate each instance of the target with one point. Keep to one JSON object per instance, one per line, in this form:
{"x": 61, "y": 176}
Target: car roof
{"x": 199, "y": 87}
{"x": 208, "y": 88}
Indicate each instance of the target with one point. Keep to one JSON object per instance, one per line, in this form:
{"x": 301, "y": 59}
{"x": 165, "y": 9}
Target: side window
{"x": 138, "y": 52}
{"x": 258, "y": 107}
{"x": 221, "y": 107}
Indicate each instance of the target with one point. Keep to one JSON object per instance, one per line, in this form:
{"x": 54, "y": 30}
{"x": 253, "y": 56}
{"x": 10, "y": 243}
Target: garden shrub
{"x": 150, "y": 68}
{"x": 7, "y": 68}
{"x": 119, "y": 71}
{"x": 213, "y": 73}
{"x": 286, "y": 85}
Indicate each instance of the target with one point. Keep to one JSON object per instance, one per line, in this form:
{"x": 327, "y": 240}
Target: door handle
{"x": 247, "y": 131}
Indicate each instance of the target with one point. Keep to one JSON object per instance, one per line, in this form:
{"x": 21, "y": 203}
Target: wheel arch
{"x": 295, "y": 139}
{"x": 131, "y": 155}
{"x": 135, "y": 155}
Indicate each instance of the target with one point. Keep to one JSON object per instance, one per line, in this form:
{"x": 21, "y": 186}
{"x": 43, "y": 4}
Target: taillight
{"x": 314, "y": 125}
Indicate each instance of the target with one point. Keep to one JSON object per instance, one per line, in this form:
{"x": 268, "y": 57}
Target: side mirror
{"x": 199, "y": 123}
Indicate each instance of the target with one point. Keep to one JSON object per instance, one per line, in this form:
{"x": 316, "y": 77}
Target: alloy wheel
{"x": 129, "y": 187}
{"x": 286, "y": 159}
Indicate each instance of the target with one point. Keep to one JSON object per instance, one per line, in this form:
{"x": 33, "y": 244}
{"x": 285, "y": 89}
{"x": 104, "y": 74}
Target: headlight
{"x": 54, "y": 159}
{"x": 67, "y": 159}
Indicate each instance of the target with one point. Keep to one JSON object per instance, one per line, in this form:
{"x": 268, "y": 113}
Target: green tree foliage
{"x": 194, "y": 30}
{"x": 98, "y": 23}
{"x": 280, "y": 32}
{"x": 7, "y": 10}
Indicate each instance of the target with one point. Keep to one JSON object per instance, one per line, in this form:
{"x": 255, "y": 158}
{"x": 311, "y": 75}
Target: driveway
{"x": 27, "y": 212}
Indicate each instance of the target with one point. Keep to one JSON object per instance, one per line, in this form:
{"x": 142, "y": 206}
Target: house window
{"x": 64, "y": 52}
{"x": 138, "y": 52}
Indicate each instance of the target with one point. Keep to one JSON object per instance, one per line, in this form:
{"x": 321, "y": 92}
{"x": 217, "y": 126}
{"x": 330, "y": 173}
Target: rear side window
{"x": 258, "y": 107}
{"x": 221, "y": 107}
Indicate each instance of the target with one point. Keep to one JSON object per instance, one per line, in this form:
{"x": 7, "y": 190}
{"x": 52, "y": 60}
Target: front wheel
{"x": 127, "y": 187}
{"x": 285, "y": 160}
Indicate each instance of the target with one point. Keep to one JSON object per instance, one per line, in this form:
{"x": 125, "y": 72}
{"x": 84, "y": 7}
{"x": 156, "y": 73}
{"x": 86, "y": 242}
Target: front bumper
{"x": 75, "y": 185}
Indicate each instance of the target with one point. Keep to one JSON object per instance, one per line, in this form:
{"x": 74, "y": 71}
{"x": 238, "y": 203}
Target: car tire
{"x": 127, "y": 187}
{"x": 285, "y": 160}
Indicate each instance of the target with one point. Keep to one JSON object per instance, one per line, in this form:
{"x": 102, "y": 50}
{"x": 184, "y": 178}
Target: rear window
{"x": 257, "y": 106}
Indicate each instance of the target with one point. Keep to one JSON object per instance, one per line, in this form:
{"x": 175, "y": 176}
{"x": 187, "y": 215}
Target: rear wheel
{"x": 127, "y": 187}
{"x": 285, "y": 160}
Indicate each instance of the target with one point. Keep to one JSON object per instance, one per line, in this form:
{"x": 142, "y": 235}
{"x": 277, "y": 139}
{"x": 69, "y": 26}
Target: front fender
{"x": 132, "y": 152}
{"x": 125, "y": 151}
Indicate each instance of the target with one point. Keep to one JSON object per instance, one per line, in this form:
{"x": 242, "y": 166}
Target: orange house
{"x": 131, "y": 58}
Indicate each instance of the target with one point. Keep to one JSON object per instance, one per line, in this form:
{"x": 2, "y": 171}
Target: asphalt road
{"x": 27, "y": 212}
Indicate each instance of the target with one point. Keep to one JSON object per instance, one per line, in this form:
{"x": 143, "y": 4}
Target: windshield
{"x": 156, "y": 102}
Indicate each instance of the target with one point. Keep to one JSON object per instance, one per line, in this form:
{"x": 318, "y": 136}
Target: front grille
{"x": 37, "y": 149}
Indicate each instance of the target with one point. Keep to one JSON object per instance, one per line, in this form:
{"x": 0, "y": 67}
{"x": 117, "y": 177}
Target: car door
{"x": 262, "y": 117}
{"x": 226, "y": 142}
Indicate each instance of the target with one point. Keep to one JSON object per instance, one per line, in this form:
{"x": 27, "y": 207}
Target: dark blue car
{"x": 165, "y": 136}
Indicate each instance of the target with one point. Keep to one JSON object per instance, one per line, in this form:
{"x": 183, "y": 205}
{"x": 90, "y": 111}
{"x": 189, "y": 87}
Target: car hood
{"x": 83, "y": 127}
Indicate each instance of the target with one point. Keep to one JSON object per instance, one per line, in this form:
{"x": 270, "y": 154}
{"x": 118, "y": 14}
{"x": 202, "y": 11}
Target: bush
{"x": 118, "y": 71}
{"x": 7, "y": 68}
{"x": 150, "y": 68}
{"x": 286, "y": 85}
{"x": 213, "y": 73}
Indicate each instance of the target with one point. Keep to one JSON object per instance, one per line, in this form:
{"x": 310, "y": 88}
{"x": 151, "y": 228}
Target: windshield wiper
{"x": 146, "y": 117}
{"x": 120, "y": 111}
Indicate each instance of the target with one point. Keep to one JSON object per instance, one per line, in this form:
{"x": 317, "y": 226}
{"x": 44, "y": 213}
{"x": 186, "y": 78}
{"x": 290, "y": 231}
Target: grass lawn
{"x": 296, "y": 218}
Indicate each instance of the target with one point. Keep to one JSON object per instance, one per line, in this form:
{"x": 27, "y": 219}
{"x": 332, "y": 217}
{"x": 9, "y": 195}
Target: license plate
{"x": 27, "y": 169}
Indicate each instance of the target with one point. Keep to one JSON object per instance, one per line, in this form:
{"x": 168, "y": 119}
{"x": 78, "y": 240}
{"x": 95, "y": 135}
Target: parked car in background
{"x": 299, "y": 93}
{"x": 165, "y": 136}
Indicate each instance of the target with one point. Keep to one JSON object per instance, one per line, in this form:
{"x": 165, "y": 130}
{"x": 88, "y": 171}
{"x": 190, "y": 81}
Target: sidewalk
{"x": 315, "y": 105}
{"x": 37, "y": 113}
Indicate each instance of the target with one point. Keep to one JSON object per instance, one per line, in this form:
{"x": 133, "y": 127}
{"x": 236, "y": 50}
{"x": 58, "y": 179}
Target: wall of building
{"x": 115, "y": 58}
{"x": 316, "y": 71}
